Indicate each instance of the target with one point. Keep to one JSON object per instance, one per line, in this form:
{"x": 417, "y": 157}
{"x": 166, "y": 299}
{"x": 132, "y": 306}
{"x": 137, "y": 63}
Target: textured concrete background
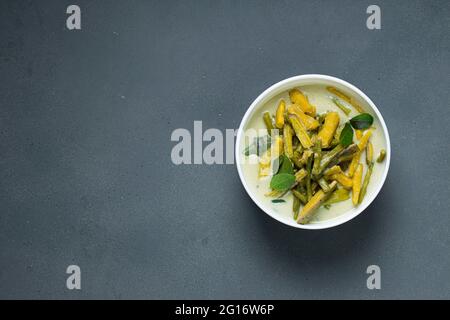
{"x": 85, "y": 171}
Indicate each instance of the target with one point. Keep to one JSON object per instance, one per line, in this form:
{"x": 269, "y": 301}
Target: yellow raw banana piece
{"x": 357, "y": 184}
{"x": 369, "y": 153}
{"x": 338, "y": 196}
{"x": 309, "y": 122}
{"x": 333, "y": 170}
{"x": 279, "y": 116}
{"x": 361, "y": 145}
{"x": 298, "y": 98}
{"x": 288, "y": 132}
{"x": 358, "y": 134}
{"x": 316, "y": 201}
{"x": 329, "y": 127}
{"x": 354, "y": 164}
{"x": 342, "y": 179}
{"x": 364, "y": 140}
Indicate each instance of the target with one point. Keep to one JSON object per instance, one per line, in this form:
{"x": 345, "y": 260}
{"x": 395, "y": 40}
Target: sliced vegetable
{"x": 330, "y": 156}
{"x": 346, "y": 98}
{"x": 359, "y": 134}
{"x": 343, "y": 180}
{"x": 343, "y": 159}
{"x": 354, "y": 164}
{"x": 297, "y": 97}
{"x": 333, "y": 170}
{"x": 308, "y": 122}
{"x": 306, "y": 154}
{"x": 364, "y": 140}
{"x": 296, "y": 207}
{"x": 323, "y": 184}
{"x": 365, "y": 183}
{"x": 300, "y": 195}
{"x": 300, "y": 132}
{"x": 308, "y": 177}
{"x": 338, "y": 196}
{"x": 268, "y": 121}
{"x": 333, "y": 143}
{"x": 317, "y": 156}
{"x": 381, "y": 156}
{"x": 298, "y": 148}
{"x": 341, "y": 106}
{"x": 321, "y": 118}
{"x": 300, "y": 175}
{"x": 329, "y": 127}
{"x": 369, "y": 153}
{"x": 348, "y": 152}
{"x": 296, "y": 159}
{"x": 357, "y": 184}
{"x": 314, "y": 186}
{"x": 279, "y": 116}
{"x": 287, "y": 139}
{"x": 315, "y": 202}
{"x": 333, "y": 157}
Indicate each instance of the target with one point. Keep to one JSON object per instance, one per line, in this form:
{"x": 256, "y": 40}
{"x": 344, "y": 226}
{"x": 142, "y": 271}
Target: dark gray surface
{"x": 85, "y": 171}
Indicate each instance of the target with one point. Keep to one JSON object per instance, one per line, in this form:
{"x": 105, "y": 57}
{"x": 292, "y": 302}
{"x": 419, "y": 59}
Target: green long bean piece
{"x": 302, "y": 197}
{"x": 365, "y": 183}
{"x": 323, "y": 184}
{"x": 381, "y": 156}
{"x": 268, "y": 121}
{"x": 317, "y": 156}
{"x": 296, "y": 207}
{"x": 341, "y": 106}
{"x": 308, "y": 178}
{"x": 327, "y": 158}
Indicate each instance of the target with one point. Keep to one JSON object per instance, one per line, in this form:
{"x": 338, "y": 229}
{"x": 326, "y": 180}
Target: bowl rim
{"x": 343, "y": 218}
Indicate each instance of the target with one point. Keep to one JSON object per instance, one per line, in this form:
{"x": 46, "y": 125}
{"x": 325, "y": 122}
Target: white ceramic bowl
{"x": 298, "y": 81}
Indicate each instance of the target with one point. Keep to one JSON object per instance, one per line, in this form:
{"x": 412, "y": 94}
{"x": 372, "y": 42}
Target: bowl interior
{"x": 268, "y": 100}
